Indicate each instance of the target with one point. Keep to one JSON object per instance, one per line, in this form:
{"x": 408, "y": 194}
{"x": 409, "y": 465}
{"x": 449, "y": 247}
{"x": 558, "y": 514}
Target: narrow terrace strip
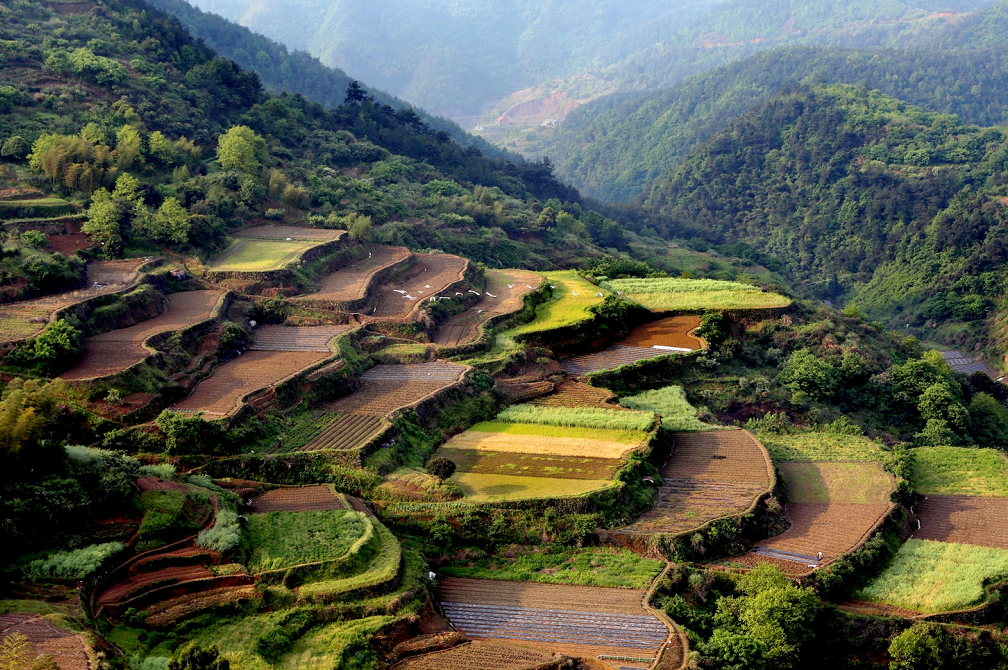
{"x": 297, "y": 338}
{"x": 614, "y": 357}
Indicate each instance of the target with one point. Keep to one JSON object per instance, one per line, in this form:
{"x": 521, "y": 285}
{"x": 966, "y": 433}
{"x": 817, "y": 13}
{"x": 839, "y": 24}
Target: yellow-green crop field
{"x": 571, "y": 300}
{"x": 578, "y": 417}
{"x": 671, "y": 405}
{"x": 932, "y": 577}
{"x": 960, "y": 471}
{"x": 260, "y": 255}
{"x": 821, "y": 447}
{"x": 553, "y": 440}
{"x": 479, "y": 487}
{"x": 674, "y": 293}
{"x": 854, "y": 483}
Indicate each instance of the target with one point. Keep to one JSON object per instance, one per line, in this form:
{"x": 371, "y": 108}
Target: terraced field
{"x": 833, "y": 507}
{"x": 674, "y": 332}
{"x": 296, "y": 338}
{"x": 674, "y": 293}
{"x": 269, "y": 247}
{"x": 383, "y": 390}
{"x": 551, "y": 440}
{"x": 288, "y": 233}
{"x": 709, "y": 475}
{"x": 613, "y": 357}
{"x": 577, "y": 394}
{"x": 429, "y": 276}
{"x": 478, "y": 656}
{"x": 114, "y": 351}
{"x": 27, "y": 318}
{"x": 44, "y": 638}
{"x": 963, "y": 520}
{"x": 299, "y": 499}
{"x": 219, "y": 394}
{"x": 504, "y": 293}
{"x": 351, "y": 283}
{"x": 582, "y": 621}
{"x": 531, "y": 465}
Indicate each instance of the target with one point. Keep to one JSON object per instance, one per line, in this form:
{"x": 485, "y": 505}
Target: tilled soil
{"x": 351, "y": 283}
{"x": 832, "y": 528}
{"x": 671, "y": 332}
{"x": 141, "y": 582}
{"x": 432, "y": 274}
{"x": 708, "y": 475}
{"x": 505, "y": 292}
{"x": 296, "y": 338}
{"x": 576, "y": 394}
{"x": 478, "y": 656}
{"x": 541, "y": 596}
{"x": 963, "y": 519}
{"x": 611, "y": 358}
{"x": 66, "y": 648}
{"x": 298, "y": 499}
{"x": 219, "y": 394}
{"x": 116, "y": 350}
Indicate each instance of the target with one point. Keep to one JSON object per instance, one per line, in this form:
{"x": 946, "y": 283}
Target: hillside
{"x": 861, "y": 196}
{"x": 981, "y": 29}
{"x": 616, "y": 147}
{"x": 293, "y": 72}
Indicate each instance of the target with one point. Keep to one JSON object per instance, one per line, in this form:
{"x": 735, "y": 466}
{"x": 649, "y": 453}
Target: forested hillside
{"x": 861, "y": 196}
{"x": 614, "y": 148}
{"x": 293, "y": 72}
{"x": 984, "y": 28}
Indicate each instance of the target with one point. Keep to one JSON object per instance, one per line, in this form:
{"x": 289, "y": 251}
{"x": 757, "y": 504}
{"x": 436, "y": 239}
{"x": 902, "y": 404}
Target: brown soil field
{"x": 507, "y": 443}
{"x": 832, "y": 528}
{"x": 168, "y": 612}
{"x": 478, "y": 656}
{"x": 218, "y": 395}
{"x": 351, "y": 283}
{"x": 298, "y": 499}
{"x": 145, "y": 581}
{"x": 522, "y": 390}
{"x": 671, "y": 332}
{"x": 348, "y": 432}
{"x": 116, "y": 350}
{"x": 271, "y": 232}
{"x": 430, "y": 274}
{"x": 531, "y": 465}
{"x": 708, "y": 475}
{"x": 26, "y": 318}
{"x": 505, "y": 292}
{"x": 611, "y": 358}
{"x": 963, "y": 519}
{"x": 296, "y": 338}
{"x": 68, "y": 243}
{"x": 66, "y": 648}
{"x": 576, "y": 394}
{"x": 579, "y": 621}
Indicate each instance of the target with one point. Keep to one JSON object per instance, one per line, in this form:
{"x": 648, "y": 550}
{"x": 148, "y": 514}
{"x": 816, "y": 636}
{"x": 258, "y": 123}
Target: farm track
{"x": 430, "y": 275}
{"x": 504, "y": 293}
{"x": 298, "y": 499}
{"x": 708, "y": 475}
{"x": 219, "y": 394}
{"x": 351, "y": 283}
{"x": 963, "y": 519}
{"x": 611, "y": 358}
{"x": 383, "y": 390}
{"x": 26, "y": 318}
{"x": 572, "y": 620}
{"x": 478, "y": 656}
{"x": 116, "y": 350}
{"x": 66, "y": 648}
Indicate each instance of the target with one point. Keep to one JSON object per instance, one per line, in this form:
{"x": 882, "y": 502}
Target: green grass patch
{"x": 823, "y": 482}
{"x": 280, "y": 540}
{"x": 171, "y": 515}
{"x": 539, "y": 430}
{"x": 323, "y": 648}
{"x": 564, "y": 308}
{"x": 674, "y": 293}
{"x": 960, "y": 471}
{"x": 578, "y": 417}
{"x": 76, "y": 564}
{"x": 260, "y": 255}
{"x": 932, "y": 577}
{"x": 586, "y": 567}
{"x": 671, "y": 404}
{"x": 822, "y": 447}
{"x": 479, "y": 487}
{"x": 382, "y": 567}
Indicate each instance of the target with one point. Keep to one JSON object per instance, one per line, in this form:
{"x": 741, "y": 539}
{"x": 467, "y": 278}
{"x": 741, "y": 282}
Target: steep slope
{"x": 614, "y": 148}
{"x": 985, "y": 28}
{"x": 862, "y": 197}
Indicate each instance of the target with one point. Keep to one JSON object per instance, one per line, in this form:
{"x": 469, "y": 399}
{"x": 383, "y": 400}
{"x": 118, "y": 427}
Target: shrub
{"x": 159, "y": 470}
{"x": 75, "y": 564}
{"x": 194, "y": 657}
{"x": 53, "y": 351}
{"x": 225, "y": 534}
{"x": 35, "y": 239}
{"x": 441, "y": 467}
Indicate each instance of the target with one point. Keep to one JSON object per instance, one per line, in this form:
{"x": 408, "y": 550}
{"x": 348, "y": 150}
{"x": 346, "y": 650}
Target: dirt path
{"x": 504, "y": 293}
{"x": 429, "y": 276}
{"x": 116, "y": 350}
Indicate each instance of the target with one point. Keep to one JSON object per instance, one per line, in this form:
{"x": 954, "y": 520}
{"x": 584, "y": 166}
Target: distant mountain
{"x": 988, "y": 27}
{"x": 614, "y": 148}
{"x": 295, "y": 71}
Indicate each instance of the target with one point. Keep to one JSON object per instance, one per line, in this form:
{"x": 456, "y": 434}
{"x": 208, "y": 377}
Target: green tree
{"x": 360, "y": 228}
{"x": 103, "y": 223}
{"x": 735, "y": 651}
{"x": 809, "y": 373}
{"x": 193, "y": 657}
{"x": 15, "y": 148}
{"x": 160, "y": 148}
{"x": 25, "y": 407}
{"x": 989, "y": 421}
{"x": 916, "y": 648}
{"x": 240, "y": 148}
{"x": 171, "y": 223}
{"x": 35, "y": 239}
{"x": 939, "y": 402}
{"x": 129, "y": 147}
{"x": 14, "y": 652}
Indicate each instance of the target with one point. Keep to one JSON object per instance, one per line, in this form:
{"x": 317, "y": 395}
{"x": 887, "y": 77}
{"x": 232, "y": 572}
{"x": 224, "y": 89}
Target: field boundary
{"x": 667, "y": 620}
